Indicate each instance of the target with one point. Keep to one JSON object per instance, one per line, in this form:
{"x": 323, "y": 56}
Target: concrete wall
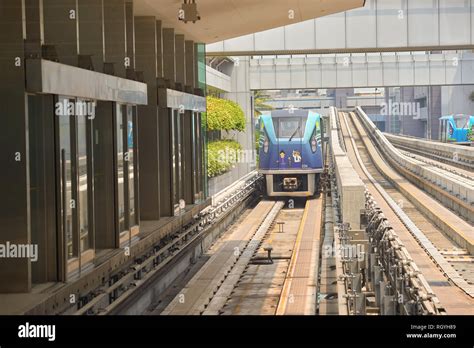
{"x": 455, "y": 100}
{"x": 239, "y": 91}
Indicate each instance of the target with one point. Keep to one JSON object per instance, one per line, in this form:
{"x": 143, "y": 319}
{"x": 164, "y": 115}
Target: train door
{"x": 73, "y": 131}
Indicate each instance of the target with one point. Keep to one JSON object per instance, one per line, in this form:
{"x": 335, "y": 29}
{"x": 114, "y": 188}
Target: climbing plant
{"x": 222, "y": 156}
{"x": 225, "y": 115}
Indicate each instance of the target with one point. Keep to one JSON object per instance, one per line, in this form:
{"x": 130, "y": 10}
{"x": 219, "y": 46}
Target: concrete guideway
{"x": 301, "y": 283}
{"x": 455, "y": 173}
{"x": 248, "y": 283}
{"x": 453, "y": 299}
{"x": 199, "y": 291}
{"x": 455, "y": 194}
{"x": 456, "y": 155}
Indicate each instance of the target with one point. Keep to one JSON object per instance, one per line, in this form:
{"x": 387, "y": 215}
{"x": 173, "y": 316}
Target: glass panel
{"x": 195, "y": 146}
{"x": 120, "y": 167}
{"x": 204, "y": 189}
{"x": 289, "y": 132}
{"x": 131, "y": 163}
{"x": 201, "y": 59}
{"x": 83, "y": 187}
{"x": 176, "y": 132}
{"x": 66, "y": 179}
{"x": 181, "y": 149}
{"x": 289, "y": 127}
{"x": 461, "y": 121}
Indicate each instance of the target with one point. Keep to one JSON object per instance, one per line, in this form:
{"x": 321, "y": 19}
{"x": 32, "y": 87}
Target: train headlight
{"x": 265, "y": 146}
{"x": 314, "y": 145}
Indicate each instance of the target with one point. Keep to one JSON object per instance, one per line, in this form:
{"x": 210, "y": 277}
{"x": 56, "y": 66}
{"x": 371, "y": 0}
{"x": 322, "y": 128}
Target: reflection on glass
{"x": 174, "y": 114}
{"x": 66, "y": 181}
{"x": 131, "y": 163}
{"x": 195, "y": 133}
{"x": 83, "y": 183}
{"x": 120, "y": 167}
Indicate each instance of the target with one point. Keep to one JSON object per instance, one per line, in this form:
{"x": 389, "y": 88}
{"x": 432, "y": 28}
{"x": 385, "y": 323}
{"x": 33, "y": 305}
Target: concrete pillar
{"x": 61, "y": 29}
{"x": 188, "y": 132}
{"x": 130, "y": 35}
{"x": 190, "y": 82}
{"x": 114, "y": 35}
{"x": 164, "y": 129}
{"x": 148, "y": 121}
{"x": 169, "y": 68}
{"x": 106, "y": 236}
{"x": 91, "y": 32}
{"x": 159, "y": 49}
{"x": 15, "y": 273}
{"x": 180, "y": 61}
{"x": 41, "y": 158}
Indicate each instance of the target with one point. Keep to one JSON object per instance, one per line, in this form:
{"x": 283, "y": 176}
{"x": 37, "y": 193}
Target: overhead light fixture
{"x": 189, "y": 12}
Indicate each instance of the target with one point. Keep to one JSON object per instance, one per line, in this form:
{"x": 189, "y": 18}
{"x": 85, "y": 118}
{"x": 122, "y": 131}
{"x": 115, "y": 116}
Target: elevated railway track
{"x": 433, "y": 249}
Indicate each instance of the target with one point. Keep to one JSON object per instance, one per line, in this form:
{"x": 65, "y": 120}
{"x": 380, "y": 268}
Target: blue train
{"x": 456, "y": 128}
{"x": 291, "y": 152}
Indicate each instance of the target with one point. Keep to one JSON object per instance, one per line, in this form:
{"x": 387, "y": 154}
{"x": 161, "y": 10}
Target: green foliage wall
{"x": 225, "y": 115}
{"x": 221, "y": 156}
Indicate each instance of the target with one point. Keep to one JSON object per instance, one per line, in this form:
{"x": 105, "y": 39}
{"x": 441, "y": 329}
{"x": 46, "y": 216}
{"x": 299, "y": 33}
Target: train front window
{"x": 289, "y": 127}
{"x": 461, "y": 122}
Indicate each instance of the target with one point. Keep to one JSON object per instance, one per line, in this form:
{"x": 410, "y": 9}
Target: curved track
{"x": 455, "y": 299}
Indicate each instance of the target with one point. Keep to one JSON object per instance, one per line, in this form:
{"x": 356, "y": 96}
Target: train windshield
{"x": 289, "y": 127}
{"x": 461, "y": 121}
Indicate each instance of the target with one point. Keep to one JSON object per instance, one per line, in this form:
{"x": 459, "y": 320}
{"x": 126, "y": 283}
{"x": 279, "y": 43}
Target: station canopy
{"x": 226, "y": 19}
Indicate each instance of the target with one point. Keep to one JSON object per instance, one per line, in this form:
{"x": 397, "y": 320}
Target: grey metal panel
{"x": 254, "y": 72}
{"x": 363, "y": 70}
{"x": 391, "y": 23}
{"x": 455, "y": 21}
{"x": 330, "y": 31}
{"x": 467, "y": 71}
{"x": 375, "y": 71}
{"x": 283, "y": 78}
{"x": 359, "y": 71}
{"x": 180, "y": 60}
{"x": 271, "y": 39}
{"x": 91, "y": 32}
{"x": 159, "y": 48}
{"x": 344, "y": 71}
{"x": 49, "y": 77}
{"x": 361, "y": 26}
{"x": 294, "y": 39}
{"x": 329, "y": 72}
{"x": 267, "y": 75}
{"x": 245, "y": 43}
{"x": 218, "y": 46}
{"x": 406, "y": 74}
{"x": 115, "y": 35}
{"x": 313, "y": 74}
{"x": 298, "y": 72}
{"x": 420, "y": 25}
{"x": 15, "y": 273}
{"x": 146, "y": 58}
{"x": 453, "y": 73}
{"x": 390, "y": 70}
{"x": 437, "y": 71}
{"x": 422, "y": 70}
{"x": 423, "y": 23}
{"x": 190, "y": 66}
{"x": 60, "y": 30}
{"x": 169, "y": 67}
{"x": 185, "y": 101}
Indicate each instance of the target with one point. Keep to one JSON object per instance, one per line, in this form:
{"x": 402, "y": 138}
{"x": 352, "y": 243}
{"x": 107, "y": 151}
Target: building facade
{"x": 104, "y": 138}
